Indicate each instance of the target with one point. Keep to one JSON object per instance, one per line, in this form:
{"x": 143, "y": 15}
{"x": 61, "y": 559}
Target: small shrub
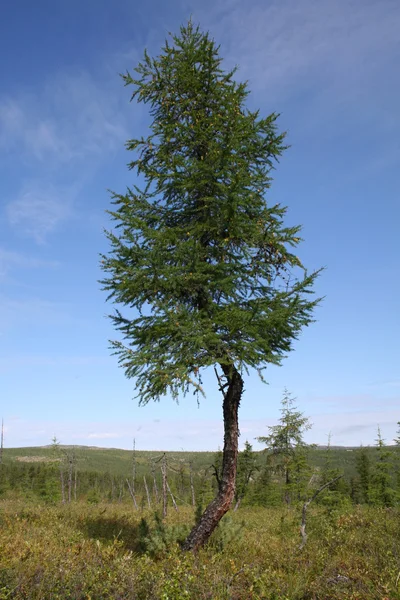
{"x": 162, "y": 538}
{"x": 227, "y": 532}
{"x": 93, "y": 497}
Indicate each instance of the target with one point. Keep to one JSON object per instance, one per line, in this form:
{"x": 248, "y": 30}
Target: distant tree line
{"x": 286, "y": 472}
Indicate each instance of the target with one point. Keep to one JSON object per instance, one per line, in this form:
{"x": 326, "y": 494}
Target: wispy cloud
{"x": 355, "y": 428}
{"x": 70, "y": 117}
{"x": 282, "y": 43}
{"x": 391, "y": 383}
{"x": 9, "y": 363}
{"x": 34, "y": 311}
{"x": 190, "y": 435}
{"x": 10, "y": 260}
{"x": 22, "y": 127}
{"x": 103, "y": 436}
{"x": 39, "y": 209}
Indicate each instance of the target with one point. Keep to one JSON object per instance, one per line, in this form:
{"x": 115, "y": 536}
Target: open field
{"x": 83, "y": 552}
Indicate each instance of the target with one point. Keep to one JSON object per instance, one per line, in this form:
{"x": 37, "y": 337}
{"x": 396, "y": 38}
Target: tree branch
{"x": 304, "y": 511}
{"x": 221, "y": 386}
{"x": 216, "y": 474}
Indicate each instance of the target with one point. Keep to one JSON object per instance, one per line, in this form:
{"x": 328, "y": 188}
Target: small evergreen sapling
{"x": 363, "y": 466}
{"x": 381, "y": 490}
{"x": 287, "y": 449}
{"x": 246, "y": 469}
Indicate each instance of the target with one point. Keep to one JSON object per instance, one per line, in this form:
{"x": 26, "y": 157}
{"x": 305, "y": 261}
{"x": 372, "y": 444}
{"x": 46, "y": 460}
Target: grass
{"x": 82, "y": 552}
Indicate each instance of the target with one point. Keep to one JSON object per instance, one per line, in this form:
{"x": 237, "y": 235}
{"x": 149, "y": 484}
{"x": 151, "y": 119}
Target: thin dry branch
{"x": 221, "y": 386}
{"x": 304, "y": 511}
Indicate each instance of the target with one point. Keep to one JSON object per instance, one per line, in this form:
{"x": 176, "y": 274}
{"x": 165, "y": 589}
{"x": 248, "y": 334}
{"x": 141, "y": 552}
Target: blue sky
{"x": 331, "y": 68}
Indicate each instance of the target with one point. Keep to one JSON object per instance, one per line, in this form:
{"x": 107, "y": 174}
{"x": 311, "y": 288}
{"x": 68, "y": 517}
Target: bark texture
{"x": 222, "y": 502}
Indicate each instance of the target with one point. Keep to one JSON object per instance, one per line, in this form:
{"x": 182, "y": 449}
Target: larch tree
{"x": 202, "y": 263}
{"x": 363, "y": 467}
{"x": 381, "y": 490}
{"x": 246, "y": 468}
{"x": 287, "y": 447}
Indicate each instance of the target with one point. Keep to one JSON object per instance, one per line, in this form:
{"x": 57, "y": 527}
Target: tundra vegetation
{"x": 92, "y": 541}
{"x": 201, "y": 264}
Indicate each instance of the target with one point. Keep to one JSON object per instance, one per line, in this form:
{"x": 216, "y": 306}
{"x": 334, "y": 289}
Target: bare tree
{"x": 155, "y": 488}
{"x": 305, "y": 507}
{"x": 71, "y": 460}
{"x": 62, "y": 482}
{"x": 147, "y": 491}
{"x": 164, "y": 484}
{"x": 132, "y": 493}
{"x": 134, "y": 466}
{"x": 172, "y": 496}
{"x": 191, "y": 483}
{"x": 55, "y": 444}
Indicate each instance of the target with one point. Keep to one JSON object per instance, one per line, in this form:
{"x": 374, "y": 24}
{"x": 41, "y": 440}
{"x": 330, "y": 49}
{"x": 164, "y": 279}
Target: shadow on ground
{"x": 108, "y": 528}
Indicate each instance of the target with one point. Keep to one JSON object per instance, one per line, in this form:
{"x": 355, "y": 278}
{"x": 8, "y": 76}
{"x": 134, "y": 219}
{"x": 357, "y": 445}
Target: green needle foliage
{"x": 202, "y": 262}
{"x": 381, "y": 491}
{"x": 288, "y": 449}
{"x": 246, "y": 468}
{"x": 363, "y": 466}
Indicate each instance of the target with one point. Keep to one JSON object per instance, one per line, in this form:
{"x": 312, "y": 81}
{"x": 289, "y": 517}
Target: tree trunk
{"x": 155, "y": 488}
{"x": 192, "y": 485}
{"x": 172, "y": 497}
{"x": 134, "y": 468}
{"x": 62, "y": 484}
{"x": 238, "y": 501}
{"x": 222, "y": 502}
{"x": 147, "y": 491}
{"x": 287, "y": 484}
{"x": 132, "y": 493}
{"x": 306, "y": 504}
{"x": 70, "y": 471}
{"x": 164, "y": 485}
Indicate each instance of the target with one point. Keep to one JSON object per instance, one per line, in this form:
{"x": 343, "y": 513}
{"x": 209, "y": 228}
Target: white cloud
{"x": 103, "y": 436}
{"x": 23, "y": 128}
{"x": 394, "y": 383}
{"x": 355, "y": 428}
{"x": 10, "y": 260}
{"x": 282, "y": 42}
{"x": 350, "y": 429}
{"x": 9, "y": 363}
{"x": 33, "y": 311}
{"x": 39, "y": 209}
{"x": 70, "y": 117}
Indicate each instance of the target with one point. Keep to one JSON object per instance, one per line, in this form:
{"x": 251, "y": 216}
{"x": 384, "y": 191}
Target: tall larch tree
{"x": 201, "y": 261}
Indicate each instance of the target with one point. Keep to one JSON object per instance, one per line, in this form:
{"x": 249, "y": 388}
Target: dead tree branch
{"x": 221, "y": 386}
{"x": 305, "y": 507}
